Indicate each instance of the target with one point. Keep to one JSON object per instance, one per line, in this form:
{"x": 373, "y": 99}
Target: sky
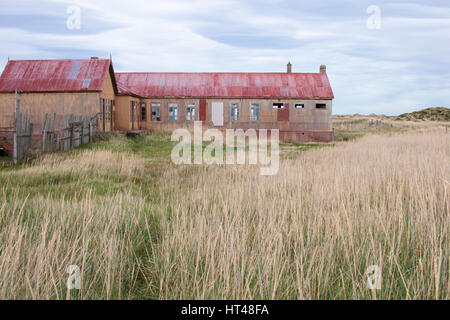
{"x": 383, "y": 57}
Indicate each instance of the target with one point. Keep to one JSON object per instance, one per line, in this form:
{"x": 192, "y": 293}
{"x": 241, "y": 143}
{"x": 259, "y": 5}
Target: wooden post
{"x": 15, "y": 142}
{"x": 44, "y": 133}
{"x": 90, "y": 131}
{"x": 104, "y": 115}
{"x": 71, "y": 137}
{"x": 112, "y": 115}
{"x": 30, "y": 138}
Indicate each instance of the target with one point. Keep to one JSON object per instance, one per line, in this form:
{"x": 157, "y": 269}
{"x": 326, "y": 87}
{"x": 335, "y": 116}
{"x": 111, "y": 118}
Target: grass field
{"x": 140, "y": 227}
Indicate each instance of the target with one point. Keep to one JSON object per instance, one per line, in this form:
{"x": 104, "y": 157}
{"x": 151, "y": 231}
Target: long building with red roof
{"x": 298, "y": 104}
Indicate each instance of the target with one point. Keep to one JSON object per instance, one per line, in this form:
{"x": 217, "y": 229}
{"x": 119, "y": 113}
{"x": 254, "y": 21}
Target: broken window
{"x": 156, "y": 112}
{"x": 234, "y": 111}
{"x": 173, "y": 111}
{"x": 321, "y": 106}
{"x": 190, "y": 111}
{"x": 143, "y": 111}
{"x": 254, "y": 111}
{"x": 299, "y": 106}
{"x": 278, "y": 106}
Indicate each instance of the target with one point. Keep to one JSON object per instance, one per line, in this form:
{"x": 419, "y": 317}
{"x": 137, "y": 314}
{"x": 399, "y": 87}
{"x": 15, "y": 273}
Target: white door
{"x": 217, "y": 113}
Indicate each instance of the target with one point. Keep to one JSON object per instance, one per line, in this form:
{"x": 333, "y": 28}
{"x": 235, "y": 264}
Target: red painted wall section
{"x": 202, "y": 111}
{"x": 283, "y": 114}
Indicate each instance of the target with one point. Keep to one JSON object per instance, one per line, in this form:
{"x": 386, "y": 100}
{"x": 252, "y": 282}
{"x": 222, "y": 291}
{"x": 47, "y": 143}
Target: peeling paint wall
{"x": 38, "y": 104}
{"x": 298, "y": 124}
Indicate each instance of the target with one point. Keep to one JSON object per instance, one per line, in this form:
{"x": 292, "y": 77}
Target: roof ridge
{"x": 53, "y": 60}
{"x": 219, "y": 72}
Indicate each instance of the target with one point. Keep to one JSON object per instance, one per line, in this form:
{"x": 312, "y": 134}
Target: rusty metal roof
{"x": 55, "y": 75}
{"x": 226, "y": 85}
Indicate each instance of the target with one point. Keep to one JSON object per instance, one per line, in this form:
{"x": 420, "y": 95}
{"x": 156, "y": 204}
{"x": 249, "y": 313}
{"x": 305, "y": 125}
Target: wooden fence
{"x": 78, "y": 130}
{"x": 17, "y": 141}
{"x": 22, "y": 136}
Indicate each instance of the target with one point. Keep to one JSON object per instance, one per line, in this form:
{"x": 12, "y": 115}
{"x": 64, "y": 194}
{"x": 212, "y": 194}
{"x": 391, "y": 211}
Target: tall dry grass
{"x": 311, "y": 231}
{"x": 42, "y": 234}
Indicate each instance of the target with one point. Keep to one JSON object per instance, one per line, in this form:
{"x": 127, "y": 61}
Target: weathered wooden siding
{"x": 303, "y": 124}
{"x": 108, "y": 94}
{"x": 38, "y": 104}
{"x": 122, "y": 113}
{"x": 62, "y": 103}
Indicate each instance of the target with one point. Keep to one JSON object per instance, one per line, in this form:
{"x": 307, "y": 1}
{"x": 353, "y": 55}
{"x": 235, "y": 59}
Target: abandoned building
{"x": 65, "y": 87}
{"x": 298, "y": 104}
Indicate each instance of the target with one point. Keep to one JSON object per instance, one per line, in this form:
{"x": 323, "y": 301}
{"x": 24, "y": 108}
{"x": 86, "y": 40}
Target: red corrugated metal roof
{"x": 226, "y": 85}
{"x": 54, "y": 75}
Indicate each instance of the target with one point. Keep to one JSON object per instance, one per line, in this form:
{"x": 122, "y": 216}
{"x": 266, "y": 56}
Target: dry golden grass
{"x": 40, "y": 236}
{"x": 221, "y": 232}
{"x": 311, "y": 231}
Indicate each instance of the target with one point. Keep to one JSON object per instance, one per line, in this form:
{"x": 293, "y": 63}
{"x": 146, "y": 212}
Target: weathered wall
{"x": 38, "y": 104}
{"x": 108, "y": 94}
{"x": 307, "y": 124}
{"x": 122, "y": 114}
{"x": 64, "y": 103}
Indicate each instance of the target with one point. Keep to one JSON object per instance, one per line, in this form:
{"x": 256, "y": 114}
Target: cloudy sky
{"x": 384, "y": 57}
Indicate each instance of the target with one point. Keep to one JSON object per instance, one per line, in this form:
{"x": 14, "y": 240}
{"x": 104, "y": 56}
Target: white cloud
{"x": 391, "y": 70}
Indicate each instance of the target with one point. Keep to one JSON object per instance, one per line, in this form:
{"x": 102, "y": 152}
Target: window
{"x": 143, "y": 111}
{"x": 108, "y": 109}
{"x": 156, "y": 112}
{"x": 299, "y": 106}
{"x": 254, "y": 111}
{"x": 173, "y": 111}
{"x": 321, "y": 106}
{"x": 278, "y": 106}
{"x": 234, "y": 111}
{"x": 190, "y": 111}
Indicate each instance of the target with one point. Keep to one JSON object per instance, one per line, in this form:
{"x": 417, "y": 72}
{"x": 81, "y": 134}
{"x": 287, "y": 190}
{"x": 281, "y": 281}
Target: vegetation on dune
{"x": 429, "y": 114}
{"x": 140, "y": 227}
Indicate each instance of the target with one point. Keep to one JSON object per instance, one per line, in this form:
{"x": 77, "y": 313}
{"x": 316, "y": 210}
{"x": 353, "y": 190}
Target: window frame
{"x": 143, "y": 115}
{"x": 154, "y": 106}
{"x": 192, "y": 115}
{"x": 174, "y": 106}
{"x": 235, "y": 106}
{"x": 255, "y": 106}
{"x": 321, "y": 104}
{"x": 278, "y": 105}
{"x": 299, "y": 104}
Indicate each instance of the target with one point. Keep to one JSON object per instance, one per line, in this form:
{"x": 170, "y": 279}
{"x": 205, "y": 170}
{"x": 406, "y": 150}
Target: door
{"x": 202, "y": 110}
{"x": 217, "y": 114}
{"x": 283, "y": 113}
{"x": 133, "y": 115}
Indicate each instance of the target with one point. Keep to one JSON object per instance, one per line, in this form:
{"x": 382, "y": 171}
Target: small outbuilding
{"x": 65, "y": 87}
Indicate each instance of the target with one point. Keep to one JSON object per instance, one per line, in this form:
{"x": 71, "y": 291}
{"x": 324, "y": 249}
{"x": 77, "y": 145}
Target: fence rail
{"x": 18, "y": 141}
{"x": 78, "y": 130}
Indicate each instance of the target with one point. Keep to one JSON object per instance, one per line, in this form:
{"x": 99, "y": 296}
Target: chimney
{"x": 323, "y": 69}
{"x": 289, "y": 68}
